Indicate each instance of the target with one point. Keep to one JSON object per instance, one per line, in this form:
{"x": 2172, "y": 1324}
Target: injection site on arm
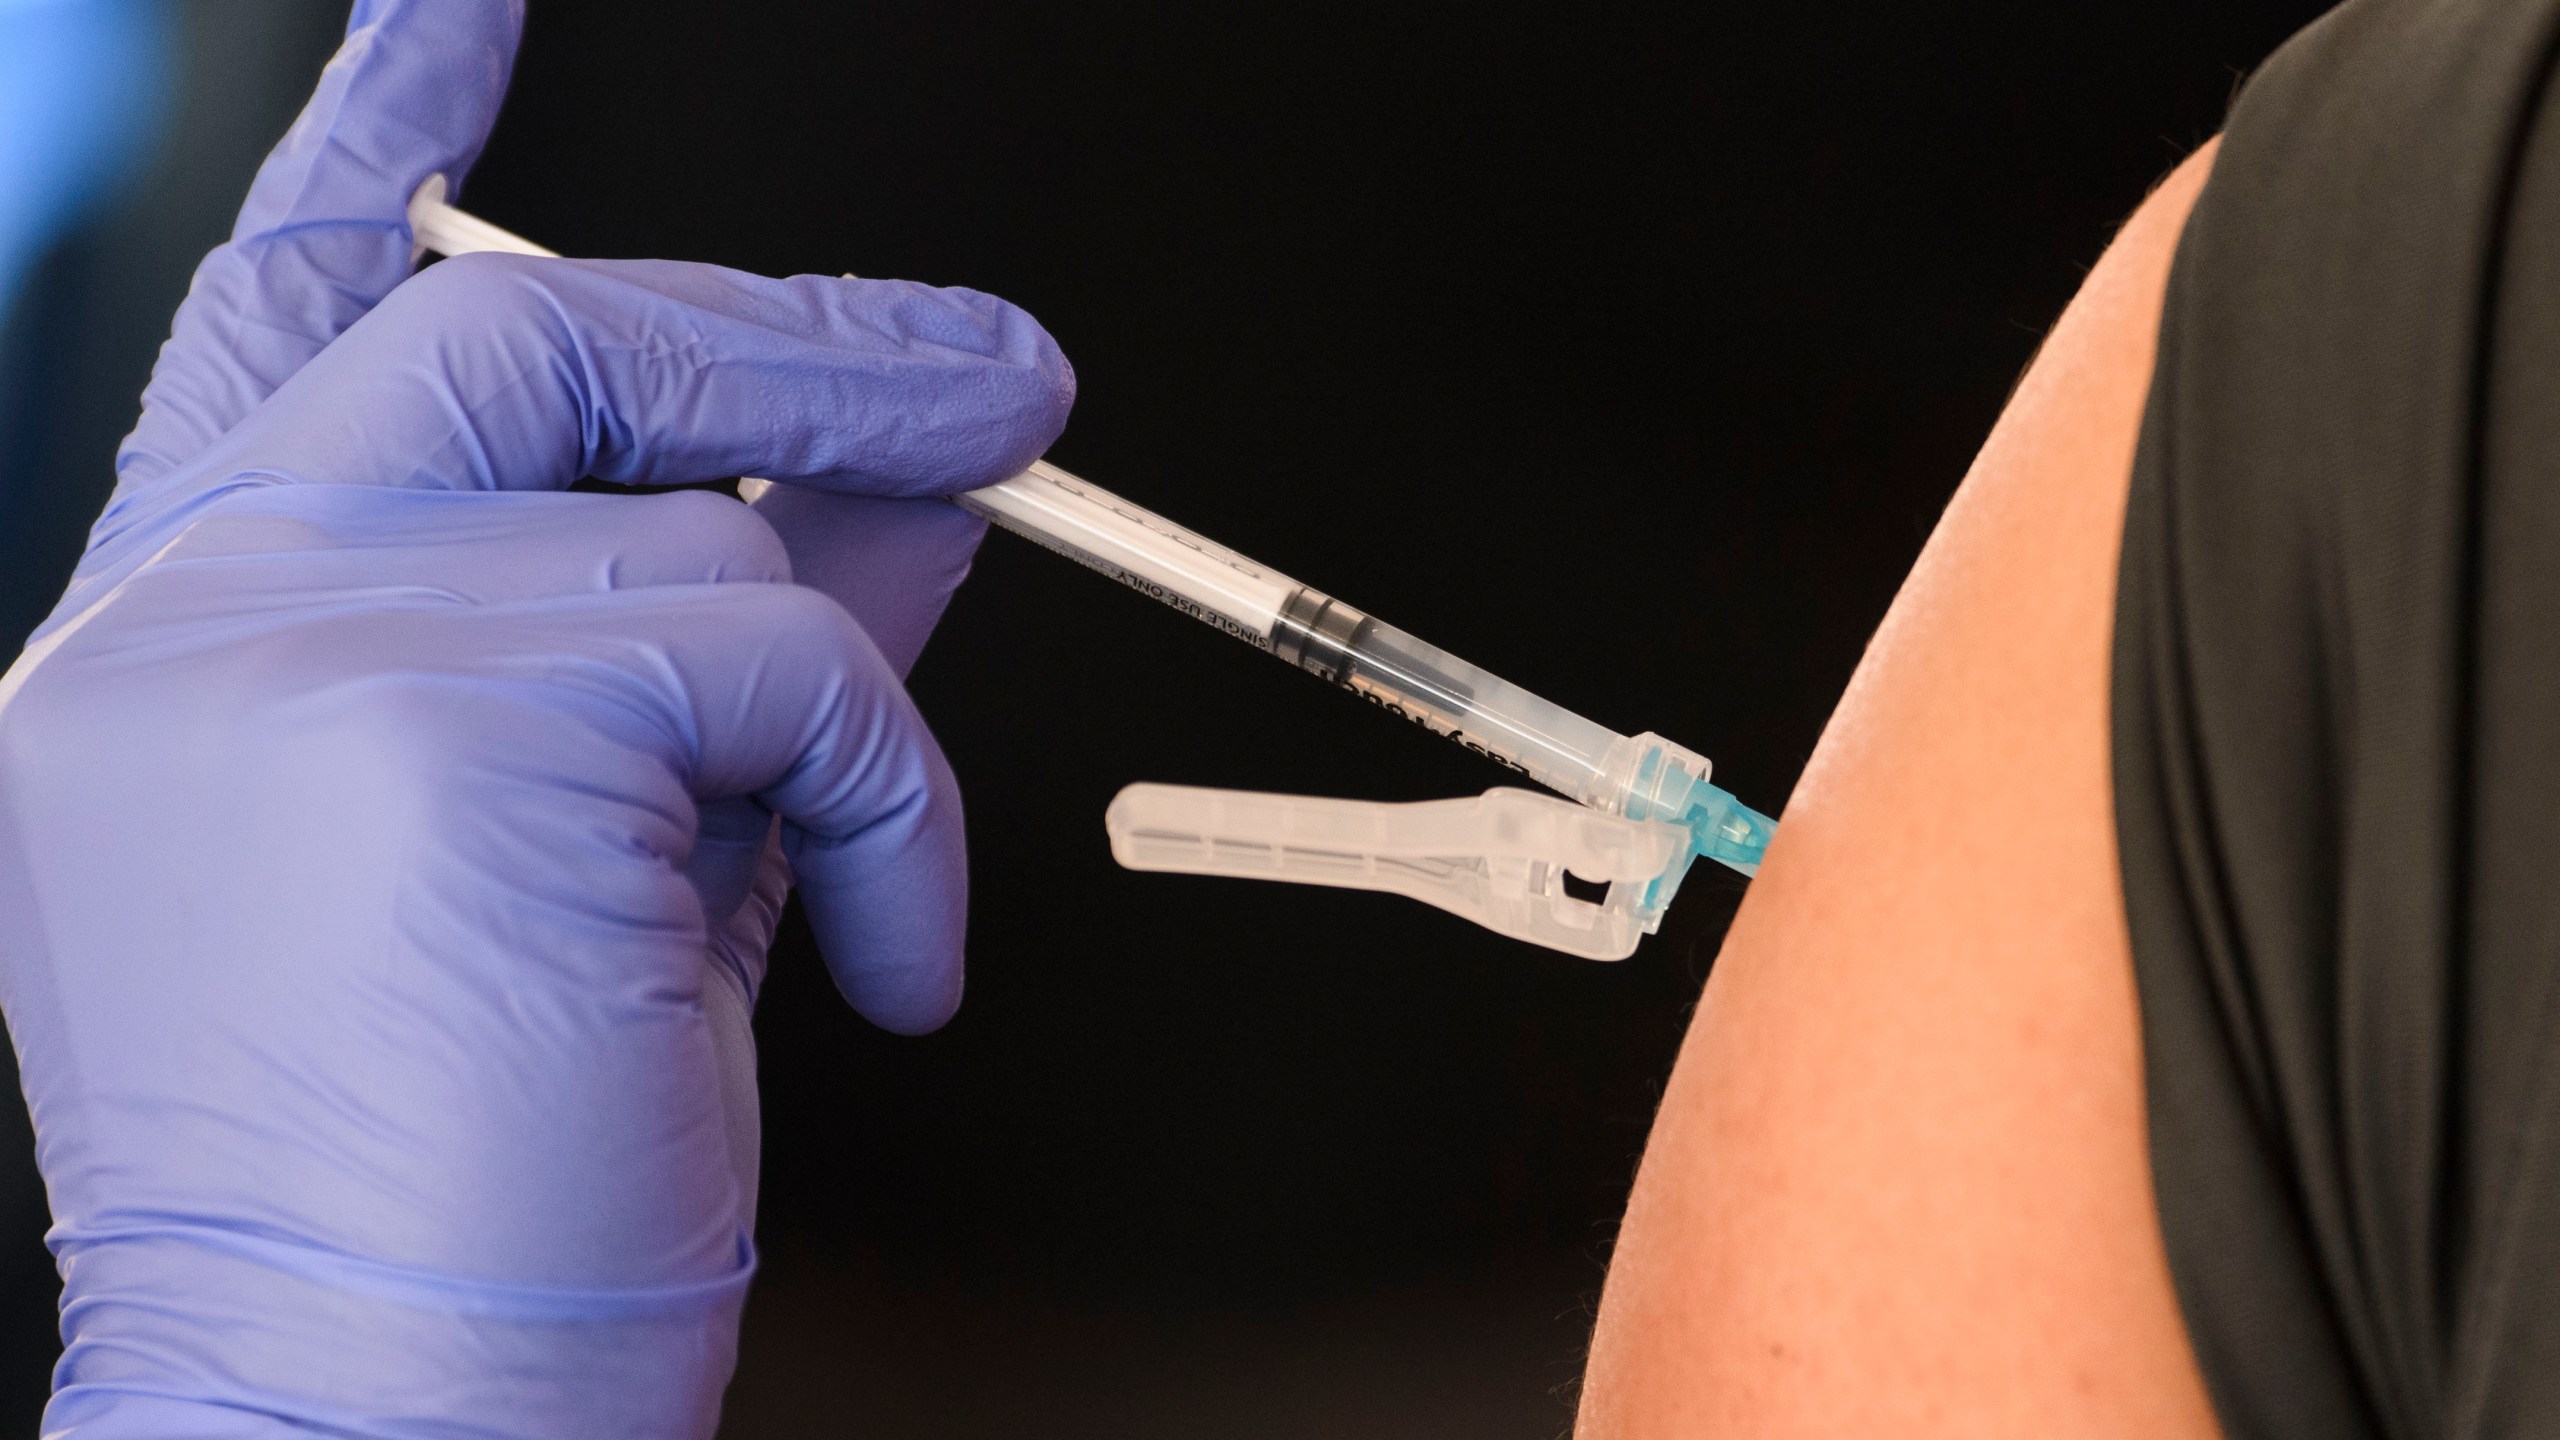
{"x": 1473, "y": 863}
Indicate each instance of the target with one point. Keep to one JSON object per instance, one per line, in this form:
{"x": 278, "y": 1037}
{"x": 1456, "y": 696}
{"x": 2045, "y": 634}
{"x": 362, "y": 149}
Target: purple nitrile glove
{"x": 389, "y": 842}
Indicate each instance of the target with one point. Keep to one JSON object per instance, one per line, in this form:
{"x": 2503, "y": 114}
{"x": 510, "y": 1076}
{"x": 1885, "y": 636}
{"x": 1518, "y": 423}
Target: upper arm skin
{"x": 1899, "y": 1183}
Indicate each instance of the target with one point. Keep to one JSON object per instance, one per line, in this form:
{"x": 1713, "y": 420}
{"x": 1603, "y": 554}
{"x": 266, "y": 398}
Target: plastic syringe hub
{"x": 1645, "y": 777}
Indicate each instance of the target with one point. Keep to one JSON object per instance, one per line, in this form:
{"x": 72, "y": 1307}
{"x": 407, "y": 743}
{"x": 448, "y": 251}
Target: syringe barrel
{"x": 1138, "y": 548}
{"x": 1444, "y": 694}
{"x": 1304, "y": 626}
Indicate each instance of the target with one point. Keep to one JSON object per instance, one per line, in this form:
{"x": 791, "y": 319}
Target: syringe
{"x": 1642, "y": 777}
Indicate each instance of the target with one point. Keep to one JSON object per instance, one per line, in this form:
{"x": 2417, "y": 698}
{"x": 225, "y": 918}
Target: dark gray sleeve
{"x": 2337, "y": 735}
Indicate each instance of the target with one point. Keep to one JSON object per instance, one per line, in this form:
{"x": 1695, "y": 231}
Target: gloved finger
{"x": 772, "y": 691}
{"x": 503, "y": 372}
{"x": 324, "y": 234}
{"x": 892, "y": 564}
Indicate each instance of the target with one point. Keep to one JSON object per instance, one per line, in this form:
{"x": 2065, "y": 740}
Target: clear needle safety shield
{"x": 1499, "y": 859}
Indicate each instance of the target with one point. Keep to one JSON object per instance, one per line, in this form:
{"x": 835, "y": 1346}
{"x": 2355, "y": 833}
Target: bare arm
{"x": 1899, "y": 1183}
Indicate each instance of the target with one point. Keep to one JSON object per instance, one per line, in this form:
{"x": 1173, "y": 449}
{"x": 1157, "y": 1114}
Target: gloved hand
{"x": 388, "y": 843}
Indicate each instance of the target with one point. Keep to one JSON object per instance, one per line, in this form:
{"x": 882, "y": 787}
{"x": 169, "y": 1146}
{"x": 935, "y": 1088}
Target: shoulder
{"x": 1899, "y": 1181}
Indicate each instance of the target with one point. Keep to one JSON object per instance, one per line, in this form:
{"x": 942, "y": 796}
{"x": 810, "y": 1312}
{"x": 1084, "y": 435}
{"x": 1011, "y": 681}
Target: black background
{"x": 1629, "y": 350}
